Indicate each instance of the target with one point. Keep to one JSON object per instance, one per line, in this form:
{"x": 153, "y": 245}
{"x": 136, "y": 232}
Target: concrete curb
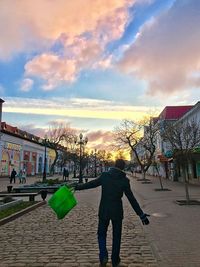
{"x": 20, "y": 213}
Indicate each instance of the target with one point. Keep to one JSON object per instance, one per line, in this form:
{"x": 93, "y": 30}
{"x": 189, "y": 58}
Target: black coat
{"x": 114, "y": 183}
{"x": 13, "y": 174}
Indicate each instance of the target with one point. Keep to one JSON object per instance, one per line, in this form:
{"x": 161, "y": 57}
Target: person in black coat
{"x": 12, "y": 176}
{"x": 114, "y": 183}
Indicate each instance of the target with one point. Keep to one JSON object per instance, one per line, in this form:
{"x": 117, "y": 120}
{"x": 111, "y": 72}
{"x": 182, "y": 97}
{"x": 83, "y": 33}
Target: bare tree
{"x": 184, "y": 137}
{"x": 105, "y": 158}
{"x": 59, "y": 136}
{"x": 140, "y": 138}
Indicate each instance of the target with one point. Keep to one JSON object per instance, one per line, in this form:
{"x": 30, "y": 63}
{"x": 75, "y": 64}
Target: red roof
{"x": 174, "y": 112}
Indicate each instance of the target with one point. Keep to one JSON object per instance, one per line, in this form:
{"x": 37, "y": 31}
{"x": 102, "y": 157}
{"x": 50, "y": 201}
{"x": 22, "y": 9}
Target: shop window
{"x": 26, "y": 157}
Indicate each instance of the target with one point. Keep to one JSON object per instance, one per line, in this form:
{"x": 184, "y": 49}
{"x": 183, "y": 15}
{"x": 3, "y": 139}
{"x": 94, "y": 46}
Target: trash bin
{"x": 62, "y": 201}
{"x": 43, "y": 194}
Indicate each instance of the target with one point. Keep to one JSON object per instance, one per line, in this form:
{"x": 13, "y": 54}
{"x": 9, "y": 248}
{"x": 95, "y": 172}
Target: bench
{"x": 30, "y": 195}
{"x": 35, "y": 189}
{"x": 50, "y": 189}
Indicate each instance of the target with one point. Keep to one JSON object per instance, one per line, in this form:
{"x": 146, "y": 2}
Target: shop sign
{"x": 51, "y": 153}
{"x": 168, "y": 154}
{"x": 162, "y": 158}
{"x": 12, "y": 146}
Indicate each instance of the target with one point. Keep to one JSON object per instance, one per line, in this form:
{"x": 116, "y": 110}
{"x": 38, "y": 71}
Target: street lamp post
{"x": 1, "y": 103}
{"x": 81, "y": 142}
{"x": 45, "y": 159}
{"x": 95, "y": 163}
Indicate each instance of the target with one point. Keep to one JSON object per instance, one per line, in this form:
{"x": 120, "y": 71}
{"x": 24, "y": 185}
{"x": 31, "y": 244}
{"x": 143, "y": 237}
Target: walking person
{"x": 20, "y": 176}
{"x": 12, "y": 176}
{"x": 24, "y": 176}
{"x": 114, "y": 183}
{"x": 65, "y": 174}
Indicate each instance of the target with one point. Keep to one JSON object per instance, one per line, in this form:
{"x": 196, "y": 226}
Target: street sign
{"x": 168, "y": 154}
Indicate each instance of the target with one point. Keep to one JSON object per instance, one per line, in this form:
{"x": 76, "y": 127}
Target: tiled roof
{"x": 174, "y": 112}
{"x": 19, "y": 133}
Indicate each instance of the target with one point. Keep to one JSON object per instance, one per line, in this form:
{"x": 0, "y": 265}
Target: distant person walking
{"x": 20, "y": 176}
{"x": 24, "y": 176}
{"x": 12, "y": 176}
{"x": 65, "y": 174}
{"x": 114, "y": 183}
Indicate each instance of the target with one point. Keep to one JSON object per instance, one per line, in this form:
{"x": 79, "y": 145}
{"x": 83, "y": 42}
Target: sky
{"x": 92, "y": 63}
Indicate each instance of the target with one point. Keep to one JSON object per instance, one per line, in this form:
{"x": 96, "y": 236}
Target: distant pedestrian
{"x": 114, "y": 183}
{"x": 65, "y": 174}
{"x": 12, "y": 176}
{"x": 20, "y": 176}
{"x": 24, "y": 176}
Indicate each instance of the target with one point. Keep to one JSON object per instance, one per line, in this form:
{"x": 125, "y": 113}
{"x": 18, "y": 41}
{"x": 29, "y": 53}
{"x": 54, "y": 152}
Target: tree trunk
{"x": 143, "y": 175}
{"x": 159, "y": 176}
{"x": 160, "y": 180}
{"x": 54, "y": 163}
{"x": 186, "y": 185}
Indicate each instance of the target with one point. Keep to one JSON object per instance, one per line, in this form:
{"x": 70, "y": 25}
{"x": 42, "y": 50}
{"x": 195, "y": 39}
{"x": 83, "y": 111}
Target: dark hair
{"x": 120, "y": 163}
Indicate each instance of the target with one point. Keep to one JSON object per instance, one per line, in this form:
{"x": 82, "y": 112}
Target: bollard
{"x": 9, "y": 188}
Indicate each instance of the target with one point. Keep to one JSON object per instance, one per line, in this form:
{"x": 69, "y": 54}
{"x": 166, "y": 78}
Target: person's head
{"x": 120, "y": 163}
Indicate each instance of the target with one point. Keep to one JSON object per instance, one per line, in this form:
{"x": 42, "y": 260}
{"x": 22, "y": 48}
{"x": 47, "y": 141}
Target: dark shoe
{"x": 116, "y": 264}
{"x": 103, "y": 262}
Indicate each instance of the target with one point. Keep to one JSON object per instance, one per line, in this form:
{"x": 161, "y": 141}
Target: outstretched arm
{"x": 129, "y": 194}
{"x": 91, "y": 184}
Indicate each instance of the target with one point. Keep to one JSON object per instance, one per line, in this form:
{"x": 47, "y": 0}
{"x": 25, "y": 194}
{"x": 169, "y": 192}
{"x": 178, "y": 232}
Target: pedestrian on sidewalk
{"x": 114, "y": 183}
{"x": 20, "y": 176}
{"x": 24, "y": 176}
{"x": 12, "y": 176}
{"x": 65, "y": 174}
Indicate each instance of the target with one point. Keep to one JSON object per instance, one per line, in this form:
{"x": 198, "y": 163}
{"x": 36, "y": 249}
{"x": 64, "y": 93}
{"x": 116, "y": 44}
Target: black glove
{"x": 144, "y": 218}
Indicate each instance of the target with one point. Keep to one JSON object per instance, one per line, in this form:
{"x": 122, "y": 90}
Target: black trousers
{"x": 116, "y": 241}
{"x": 12, "y": 179}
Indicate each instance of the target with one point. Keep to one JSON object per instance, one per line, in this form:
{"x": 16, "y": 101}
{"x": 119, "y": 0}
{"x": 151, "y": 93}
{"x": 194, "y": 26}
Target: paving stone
{"x": 39, "y": 239}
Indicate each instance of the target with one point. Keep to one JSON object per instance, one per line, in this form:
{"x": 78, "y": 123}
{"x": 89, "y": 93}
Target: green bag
{"x": 62, "y": 201}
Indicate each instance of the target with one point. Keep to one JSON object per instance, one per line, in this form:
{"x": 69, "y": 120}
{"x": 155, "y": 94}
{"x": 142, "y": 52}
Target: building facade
{"x": 163, "y": 162}
{"x": 22, "y": 150}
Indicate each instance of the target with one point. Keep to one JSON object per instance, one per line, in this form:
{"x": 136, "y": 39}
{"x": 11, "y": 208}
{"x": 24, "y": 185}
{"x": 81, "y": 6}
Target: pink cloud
{"x": 84, "y": 30}
{"x": 97, "y": 135}
{"x": 52, "y": 69}
{"x": 101, "y": 140}
{"x": 35, "y": 24}
{"x": 26, "y": 85}
{"x": 33, "y": 129}
{"x": 166, "y": 51}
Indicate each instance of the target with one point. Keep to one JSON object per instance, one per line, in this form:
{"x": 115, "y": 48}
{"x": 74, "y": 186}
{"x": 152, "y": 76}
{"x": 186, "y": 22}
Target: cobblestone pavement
{"x": 39, "y": 239}
{"x": 174, "y": 230}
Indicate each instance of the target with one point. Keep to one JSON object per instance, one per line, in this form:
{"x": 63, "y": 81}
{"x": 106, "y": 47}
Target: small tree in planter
{"x": 60, "y": 136}
{"x": 184, "y": 138}
{"x": 155, "y": 165}
{"x": 140, "y": 138}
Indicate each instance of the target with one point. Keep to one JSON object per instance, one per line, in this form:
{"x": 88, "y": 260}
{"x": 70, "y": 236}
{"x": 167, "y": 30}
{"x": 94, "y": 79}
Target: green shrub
{"x": 53, "y": 181}
{"x": 7, "y": 199}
